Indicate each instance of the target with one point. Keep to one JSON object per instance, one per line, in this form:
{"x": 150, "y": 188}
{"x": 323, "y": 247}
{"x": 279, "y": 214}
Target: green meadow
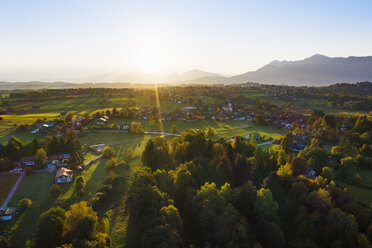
{"x": 362, "y": 192}
{"x": 35, "y": 187}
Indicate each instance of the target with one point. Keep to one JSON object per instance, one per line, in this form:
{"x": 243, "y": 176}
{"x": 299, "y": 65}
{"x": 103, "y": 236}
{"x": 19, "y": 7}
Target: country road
{"x": 92, "y": 160}
{"x": 122, "y": 131}
{"x": 265, "y": 143}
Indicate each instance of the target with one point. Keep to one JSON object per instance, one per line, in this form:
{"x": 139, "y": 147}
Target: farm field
{"x": 6, "y": 185}
{"x": 89, "y": 104}
{"x": 224, "y": 129}
{"x": 51, "y": 109}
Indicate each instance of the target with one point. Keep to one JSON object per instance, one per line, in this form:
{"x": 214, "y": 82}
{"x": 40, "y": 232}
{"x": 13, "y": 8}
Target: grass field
{"x": 366, "y": 178}
{"x": 93, "y": 174}
{"x": 89, "y": 104}
{"x": 35, "y": 187}
{"x": 362, "y": 192}
{"x": 51, "y": 109}
{"x": 224, "y": 129}
{"x": 6, "y": 185}
{"x": 7, "y": 125}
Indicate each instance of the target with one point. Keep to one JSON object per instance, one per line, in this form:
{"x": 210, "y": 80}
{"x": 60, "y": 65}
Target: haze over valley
{"x": 313, "y": 71}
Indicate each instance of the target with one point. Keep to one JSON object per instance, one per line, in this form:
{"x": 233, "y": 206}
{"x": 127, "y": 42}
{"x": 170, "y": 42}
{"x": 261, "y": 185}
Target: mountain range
{"x": 315, "y": 70}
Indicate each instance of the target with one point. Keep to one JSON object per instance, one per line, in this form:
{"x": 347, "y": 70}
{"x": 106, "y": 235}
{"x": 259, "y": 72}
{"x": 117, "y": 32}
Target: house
{"x": 256, "y": 135}
{"x": 76, "y": 122}
{"x": 64, "y": 175}
{"x": 28, "y": 161}
{"x": 7, "y": 214}
{"x": 298, "y": 146}
{"x": 101, "y": 121}
{"x": 123, "y": 126}
{"x": 47, "y": 125}
{"x": 66, "y": 157}
{"x": 59, "y": 159}
{"x": 310, "y": 173}
{"x": 228, "y": 108}
{"x": 54, "y": 159}
{"x": 25, "y": 161}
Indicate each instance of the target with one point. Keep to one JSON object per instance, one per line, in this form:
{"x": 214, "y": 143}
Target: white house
{"x": 64, "y": 175}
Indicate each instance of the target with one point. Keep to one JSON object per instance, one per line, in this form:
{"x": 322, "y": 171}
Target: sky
{"x": 71, "y": 40}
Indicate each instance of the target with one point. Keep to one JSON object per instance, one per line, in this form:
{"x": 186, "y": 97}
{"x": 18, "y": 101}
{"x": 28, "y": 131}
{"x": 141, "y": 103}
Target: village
{"x": 60, "y": 154}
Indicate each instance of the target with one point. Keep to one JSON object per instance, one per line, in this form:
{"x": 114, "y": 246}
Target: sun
{"x": 152, "y": 57}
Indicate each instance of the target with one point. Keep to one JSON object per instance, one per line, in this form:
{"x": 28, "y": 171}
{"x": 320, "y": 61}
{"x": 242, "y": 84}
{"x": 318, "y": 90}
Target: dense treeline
{"x": 15, "y": 149}
{"x": 219, "y": 194}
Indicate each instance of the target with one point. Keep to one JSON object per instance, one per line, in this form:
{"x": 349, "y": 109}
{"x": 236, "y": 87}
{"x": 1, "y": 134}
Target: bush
{"x": 96, "y": 200}
{"x": 80, "y": 185}
{"x": 111, "y": 164}
{"x": 123, "y": 164}
{"x": 108, "y": 152}
{"x": 24, "y": 204}
{"x": 55, "y": 190}
{"x": 105, "y": 189}
{"x": 129, "y": 153}
{"x": 80, "y": 179}
{"x": 110, "y": 178}
{"x": 328, "y": 173}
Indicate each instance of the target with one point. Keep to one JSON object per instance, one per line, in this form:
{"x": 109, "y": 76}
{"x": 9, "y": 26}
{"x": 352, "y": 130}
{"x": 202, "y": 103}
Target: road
{"x": 265, "y": 143}
{"x": 122, "y": 131}
{"x": 92, "y": 160}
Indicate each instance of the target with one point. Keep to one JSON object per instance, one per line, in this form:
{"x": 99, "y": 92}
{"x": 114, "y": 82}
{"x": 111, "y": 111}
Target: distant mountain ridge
{"x": 313, "y": 71}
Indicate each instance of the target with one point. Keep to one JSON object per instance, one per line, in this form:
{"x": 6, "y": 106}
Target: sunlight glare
{"x": 152, "y": 56}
